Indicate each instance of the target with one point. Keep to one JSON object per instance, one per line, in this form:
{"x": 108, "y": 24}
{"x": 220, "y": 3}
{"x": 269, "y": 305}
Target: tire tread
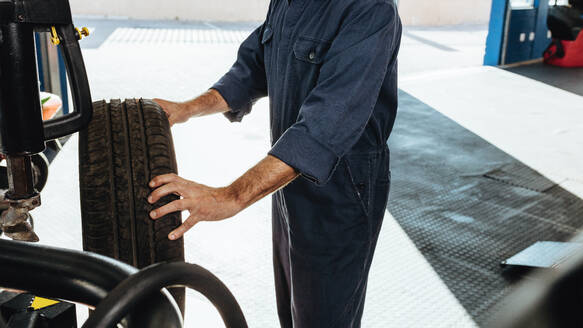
{"x": 126, "y": 145}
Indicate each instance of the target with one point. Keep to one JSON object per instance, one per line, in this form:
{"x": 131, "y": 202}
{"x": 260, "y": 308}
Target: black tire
{"x": 125, "y": 146}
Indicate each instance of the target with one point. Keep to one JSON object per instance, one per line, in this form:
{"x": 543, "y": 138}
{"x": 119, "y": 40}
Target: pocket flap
{"x": 311, "y": 51}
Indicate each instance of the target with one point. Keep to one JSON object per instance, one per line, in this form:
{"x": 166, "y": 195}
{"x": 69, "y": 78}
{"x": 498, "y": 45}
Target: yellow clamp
{"x": 82, "y": 33}
{"x": 54, "y": 36}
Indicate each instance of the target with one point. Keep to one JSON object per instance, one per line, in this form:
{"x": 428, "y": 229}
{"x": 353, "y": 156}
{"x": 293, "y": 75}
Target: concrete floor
{"x": 441, "y": 67}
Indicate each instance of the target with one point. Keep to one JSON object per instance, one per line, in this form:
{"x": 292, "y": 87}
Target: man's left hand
{"x": 204, "y": 203}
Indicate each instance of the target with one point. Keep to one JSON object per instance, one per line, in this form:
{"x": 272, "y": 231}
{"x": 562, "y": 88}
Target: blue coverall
{"x": 329, "y": 68}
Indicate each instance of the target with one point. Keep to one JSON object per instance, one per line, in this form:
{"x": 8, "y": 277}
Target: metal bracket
{"x": 16, "y": 222}
{"x": 81, "y": 33}
{"x": 53, "y": 12}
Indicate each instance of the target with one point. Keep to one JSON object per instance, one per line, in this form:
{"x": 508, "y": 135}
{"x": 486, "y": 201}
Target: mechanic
{"x": 330, "y": 71}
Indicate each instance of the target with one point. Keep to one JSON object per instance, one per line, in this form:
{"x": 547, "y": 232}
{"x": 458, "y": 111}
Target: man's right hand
{"x": 210, "y": 102}
{"x": 176, "y": 112}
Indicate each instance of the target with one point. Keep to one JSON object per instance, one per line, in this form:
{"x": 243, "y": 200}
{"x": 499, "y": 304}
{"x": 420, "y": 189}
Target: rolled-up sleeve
{"x": 334, "y": 115}
{"x": 246, "y": 81}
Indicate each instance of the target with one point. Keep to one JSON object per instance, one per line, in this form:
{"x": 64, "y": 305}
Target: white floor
{"x": 404, "y": 291}
{"x": 538, "y": 124}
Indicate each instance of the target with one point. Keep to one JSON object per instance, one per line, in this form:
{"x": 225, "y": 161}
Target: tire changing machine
{"x": 119, "y": 293}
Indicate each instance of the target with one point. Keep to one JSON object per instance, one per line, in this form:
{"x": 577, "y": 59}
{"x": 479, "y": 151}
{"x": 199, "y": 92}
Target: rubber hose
{"x": 152, "y": 279}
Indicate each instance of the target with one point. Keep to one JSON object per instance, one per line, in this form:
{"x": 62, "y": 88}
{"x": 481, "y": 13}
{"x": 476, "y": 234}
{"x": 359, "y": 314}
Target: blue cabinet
{"x": 520, "y": 36}
{"x": 518, "y": 31}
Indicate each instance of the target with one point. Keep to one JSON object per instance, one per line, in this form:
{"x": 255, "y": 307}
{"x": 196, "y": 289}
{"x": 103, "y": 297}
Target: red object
{"x": 565, "y": 53}
{"x": 51, "y": 106}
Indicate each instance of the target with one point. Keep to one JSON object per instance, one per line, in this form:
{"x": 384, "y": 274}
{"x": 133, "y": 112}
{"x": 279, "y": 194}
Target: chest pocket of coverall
{"x": 309, "y": 54}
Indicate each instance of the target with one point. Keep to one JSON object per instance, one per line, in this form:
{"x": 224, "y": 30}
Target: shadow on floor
{"x": 568, "y": 79}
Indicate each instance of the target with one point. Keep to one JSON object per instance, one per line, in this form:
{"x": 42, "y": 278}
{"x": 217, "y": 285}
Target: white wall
{"x": 444, "y": 12}
{"x": 413, "y": 12}
{"x": 201, "y": 10}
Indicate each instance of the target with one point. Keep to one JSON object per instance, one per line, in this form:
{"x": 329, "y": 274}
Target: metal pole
{"x": 21, "y": 126}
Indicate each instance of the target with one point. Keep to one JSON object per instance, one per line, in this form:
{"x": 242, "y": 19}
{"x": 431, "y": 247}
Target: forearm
{"x": 213, "y": 204}
{"x": 268, "y": 176}
{"x": 210, "y": 102}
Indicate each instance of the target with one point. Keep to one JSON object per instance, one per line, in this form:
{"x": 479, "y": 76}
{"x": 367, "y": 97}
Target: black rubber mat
{"x": 468, "y": 206}
{"x": 519, "y": 175}
{"x": 568, "y": 79}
